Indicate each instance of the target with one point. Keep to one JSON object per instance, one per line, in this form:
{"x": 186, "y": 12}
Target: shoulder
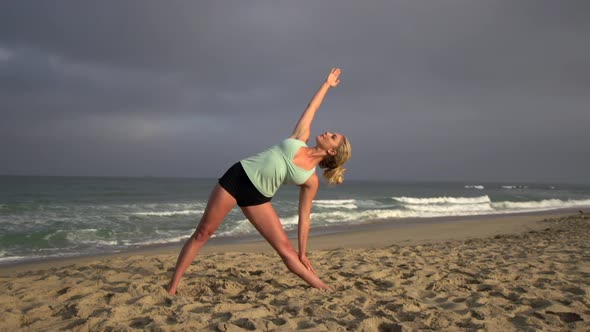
{"x": 312, "y": 182}
{"x": 297, "y": 138}
{"x": 294, "y": 141}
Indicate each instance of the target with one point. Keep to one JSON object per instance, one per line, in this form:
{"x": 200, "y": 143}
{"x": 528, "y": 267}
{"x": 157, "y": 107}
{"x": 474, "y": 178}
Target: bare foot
{"x": 170, "y": 290}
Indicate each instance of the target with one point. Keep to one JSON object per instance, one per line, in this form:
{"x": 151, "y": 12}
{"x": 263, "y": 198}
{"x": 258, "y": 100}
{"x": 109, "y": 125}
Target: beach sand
{"x": 509, "y": 273}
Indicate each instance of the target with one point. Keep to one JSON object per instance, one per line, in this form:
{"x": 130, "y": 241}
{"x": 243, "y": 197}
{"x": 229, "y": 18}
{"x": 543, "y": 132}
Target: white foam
{"x": 514, "y": 187}
{"x": 60, "y": 231}
{"x": 337, "y": 203}
{"x": 168, "y": 213}
{"x": 20, "y": 258}
{"x": 457, "y": 209}
{"x": 242, "y": 226}
{"x": 423, "y": 208}
{"x": 368, "y": 215}
{"x": 546, "y": 204}
{"x": 476, "y": 186}
{"x": 87, "y": 236}
{"x": 439, "y": 207}
{"x": 11, "y": 258}
{"x": 372, "y": 204}
{"x": 160, "y": 241}
{"x": 334, "y": 201}
{"x": 443, "y": 200}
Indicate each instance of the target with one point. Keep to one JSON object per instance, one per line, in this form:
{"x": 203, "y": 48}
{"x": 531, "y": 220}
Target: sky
{"x": 452, "y": 90}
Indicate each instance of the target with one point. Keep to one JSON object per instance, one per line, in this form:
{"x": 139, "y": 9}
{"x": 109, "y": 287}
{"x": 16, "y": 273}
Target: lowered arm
{"x": 306, "y": 195}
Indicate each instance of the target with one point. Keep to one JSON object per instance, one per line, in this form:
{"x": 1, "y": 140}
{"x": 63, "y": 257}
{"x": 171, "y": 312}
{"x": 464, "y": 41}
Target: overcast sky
{"x": 495, "y": 90}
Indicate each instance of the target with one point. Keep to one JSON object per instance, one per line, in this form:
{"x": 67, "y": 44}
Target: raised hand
{"x": 333, "y": 77}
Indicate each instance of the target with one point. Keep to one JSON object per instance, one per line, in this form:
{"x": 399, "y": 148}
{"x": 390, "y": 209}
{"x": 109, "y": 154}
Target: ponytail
{"x": 332, "y": 165}
{"x": 334, "y": 175}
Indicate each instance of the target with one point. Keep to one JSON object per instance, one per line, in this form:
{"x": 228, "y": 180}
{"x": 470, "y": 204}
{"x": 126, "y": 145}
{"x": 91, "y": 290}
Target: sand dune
{"x": 536, "y": 280}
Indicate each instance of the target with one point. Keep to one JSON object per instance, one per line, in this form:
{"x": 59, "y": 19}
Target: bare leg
{"x": 219, "y": 205}
{"x": 267, "y": 222}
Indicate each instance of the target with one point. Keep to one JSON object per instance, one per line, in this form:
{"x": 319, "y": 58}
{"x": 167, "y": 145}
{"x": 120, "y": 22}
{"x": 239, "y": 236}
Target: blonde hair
{"x": 332, "y": 165}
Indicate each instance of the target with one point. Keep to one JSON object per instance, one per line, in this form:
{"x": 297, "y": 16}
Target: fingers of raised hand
{"x": 333, "y": 76}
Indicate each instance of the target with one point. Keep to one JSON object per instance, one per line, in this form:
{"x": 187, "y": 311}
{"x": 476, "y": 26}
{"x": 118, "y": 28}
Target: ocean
{"x": 50, "y": 216}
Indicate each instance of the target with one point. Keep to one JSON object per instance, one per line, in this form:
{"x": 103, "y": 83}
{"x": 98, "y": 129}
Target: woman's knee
{"x": 202, "y": 233}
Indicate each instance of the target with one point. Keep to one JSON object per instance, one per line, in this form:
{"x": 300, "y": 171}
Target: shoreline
{"x": 407, "y": 231}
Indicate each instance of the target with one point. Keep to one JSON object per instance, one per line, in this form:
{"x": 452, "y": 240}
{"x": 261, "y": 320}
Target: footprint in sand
{"x": 575, "y": 290}
{"x": 568, "y": 317}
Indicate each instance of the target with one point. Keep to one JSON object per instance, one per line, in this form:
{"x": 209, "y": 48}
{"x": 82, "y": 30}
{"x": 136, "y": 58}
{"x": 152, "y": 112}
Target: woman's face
{"x": 329, "y": 141}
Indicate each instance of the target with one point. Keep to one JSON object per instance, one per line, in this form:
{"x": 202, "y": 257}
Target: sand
{"x": 511, "y": 273}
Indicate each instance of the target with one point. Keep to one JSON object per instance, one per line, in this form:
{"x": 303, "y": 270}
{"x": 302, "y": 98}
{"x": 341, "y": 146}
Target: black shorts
{"x": 236, "y": 182}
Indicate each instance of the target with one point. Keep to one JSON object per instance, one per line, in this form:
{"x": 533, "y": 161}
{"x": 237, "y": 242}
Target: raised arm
{"x": 306, "y": 195}
{"x": 303, "y": 128}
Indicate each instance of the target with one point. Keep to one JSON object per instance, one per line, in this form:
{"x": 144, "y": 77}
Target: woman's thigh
{"x": 267, "y": 222}
{"x": 219, "y": 204}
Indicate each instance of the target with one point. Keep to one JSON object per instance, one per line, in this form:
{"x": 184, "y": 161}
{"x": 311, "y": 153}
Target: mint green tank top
{"x": 269, "y": 169}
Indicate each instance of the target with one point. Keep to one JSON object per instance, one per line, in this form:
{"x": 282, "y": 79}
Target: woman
{"x": 252, "y": 182}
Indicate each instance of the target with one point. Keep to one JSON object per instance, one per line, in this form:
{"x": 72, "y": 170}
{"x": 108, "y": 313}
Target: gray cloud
{"x": 451, "y": 90}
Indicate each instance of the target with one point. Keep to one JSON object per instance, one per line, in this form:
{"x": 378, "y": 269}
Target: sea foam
{"x": 443, "y": 200}
{"x": 168, "y": 213}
